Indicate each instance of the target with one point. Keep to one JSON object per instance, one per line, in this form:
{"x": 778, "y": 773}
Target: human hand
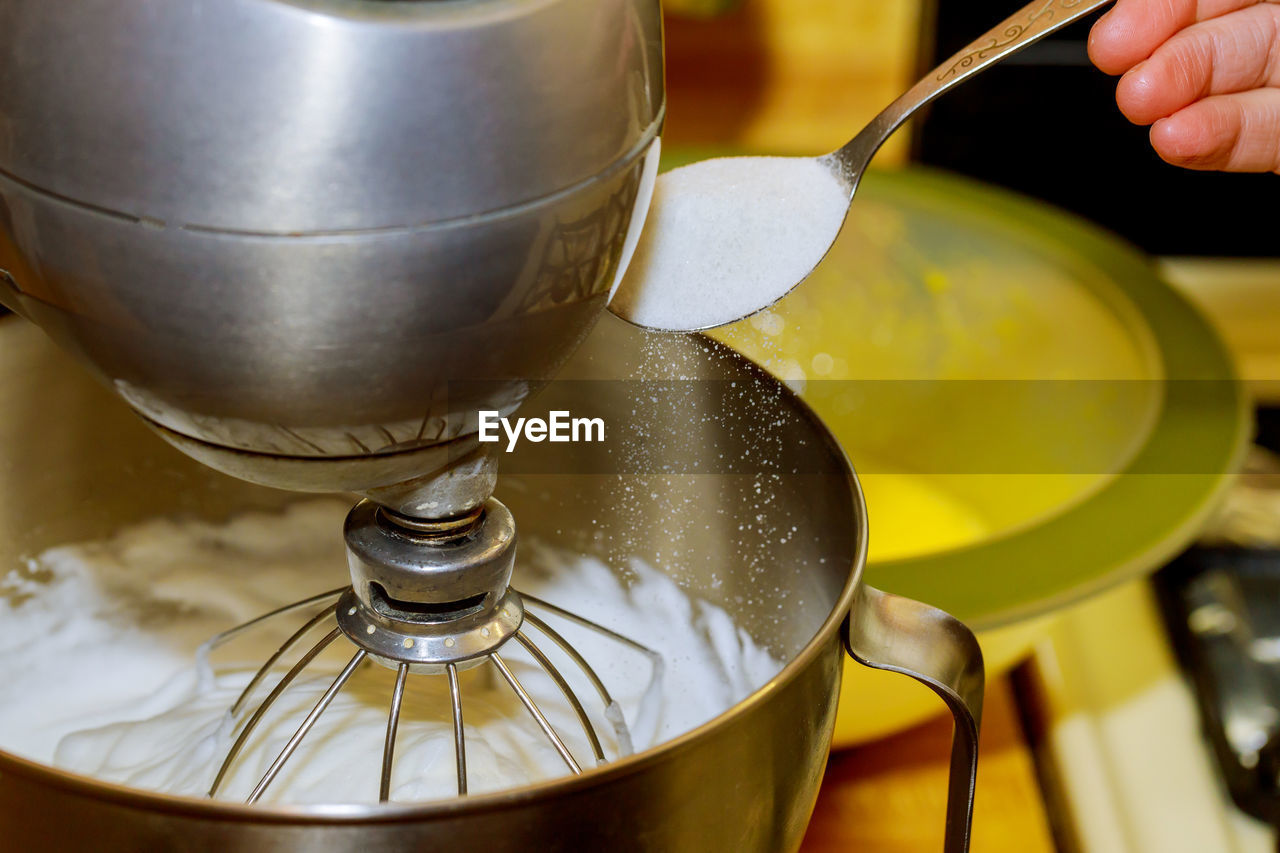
{"x": 1205, "y": 74}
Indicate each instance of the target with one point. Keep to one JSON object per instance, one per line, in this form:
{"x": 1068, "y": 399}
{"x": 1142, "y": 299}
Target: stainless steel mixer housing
{"x": 260, "y": 219}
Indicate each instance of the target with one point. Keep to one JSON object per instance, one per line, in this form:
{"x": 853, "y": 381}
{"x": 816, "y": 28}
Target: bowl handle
{"x": 896, "y": 634}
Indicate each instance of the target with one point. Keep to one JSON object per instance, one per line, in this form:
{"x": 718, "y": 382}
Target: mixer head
{"x": 308, "y": 239}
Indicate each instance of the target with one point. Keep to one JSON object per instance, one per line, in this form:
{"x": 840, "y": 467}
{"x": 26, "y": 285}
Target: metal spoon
{"x": 674, "y": 293}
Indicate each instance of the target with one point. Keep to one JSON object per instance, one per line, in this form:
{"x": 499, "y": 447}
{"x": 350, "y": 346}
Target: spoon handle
{"x": 1022, "y": 29}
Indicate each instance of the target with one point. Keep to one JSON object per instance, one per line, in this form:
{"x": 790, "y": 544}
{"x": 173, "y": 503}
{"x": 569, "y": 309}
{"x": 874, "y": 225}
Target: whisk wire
{"x": 587, "y": 623}
{"x": 245, "y": 728}
{"x": 262, "y": 709}
{"x": 536, "y": 712}
{"x": 569, "y": 695}
{"x": 231, "y": 633}
{"x": 307, "y": 724}
{"x": 459, "y": 740}
{"x": 393, "y": 722}
{"x": 574, "y": 655}
{"x": 284, "y": 649}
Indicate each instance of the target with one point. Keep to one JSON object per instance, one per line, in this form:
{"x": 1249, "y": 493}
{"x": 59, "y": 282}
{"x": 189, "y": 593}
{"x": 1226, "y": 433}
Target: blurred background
{"x": 1145, "y": 717}
{"x": 1130, "y": 615}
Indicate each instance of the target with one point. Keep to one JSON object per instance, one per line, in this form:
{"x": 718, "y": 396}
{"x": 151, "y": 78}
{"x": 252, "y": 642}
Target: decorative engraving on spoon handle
{"x": 1016, "y": 32}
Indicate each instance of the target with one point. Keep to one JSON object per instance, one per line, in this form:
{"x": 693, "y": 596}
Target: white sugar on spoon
{"x": 727, "y": 238}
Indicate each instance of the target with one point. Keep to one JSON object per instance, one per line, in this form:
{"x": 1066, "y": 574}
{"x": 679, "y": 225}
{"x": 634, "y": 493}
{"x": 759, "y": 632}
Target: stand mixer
{"x": 308, "y": 240}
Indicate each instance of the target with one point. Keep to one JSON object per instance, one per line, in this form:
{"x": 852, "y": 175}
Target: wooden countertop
{"x": 890, "y": 796}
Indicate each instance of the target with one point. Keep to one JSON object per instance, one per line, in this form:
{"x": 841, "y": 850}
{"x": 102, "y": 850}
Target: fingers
{"x": 1237, "y": 133}
{"x": 1232, "y": 53}
{"x": 1133, "y": 29}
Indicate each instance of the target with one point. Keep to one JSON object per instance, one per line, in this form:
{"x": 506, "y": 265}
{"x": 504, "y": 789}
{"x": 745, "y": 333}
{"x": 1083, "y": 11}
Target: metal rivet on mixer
{"x": 484, "y": 632}
{"x": 448, "y": 641}
{"x": 369, "y": 629}
{"x": 408, "y": 642}
{"x": 351, "y": 612}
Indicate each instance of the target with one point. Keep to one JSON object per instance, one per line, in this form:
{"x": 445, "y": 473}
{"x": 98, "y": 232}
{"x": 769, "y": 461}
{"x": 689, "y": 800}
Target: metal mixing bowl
{"x": 79, "y": 466}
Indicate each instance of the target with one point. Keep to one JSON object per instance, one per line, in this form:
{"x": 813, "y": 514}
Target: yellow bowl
{"x": 1034, "y": 414}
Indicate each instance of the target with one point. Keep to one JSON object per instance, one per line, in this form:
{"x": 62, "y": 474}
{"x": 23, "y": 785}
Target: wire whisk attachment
{"x": 437, "y": 648}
